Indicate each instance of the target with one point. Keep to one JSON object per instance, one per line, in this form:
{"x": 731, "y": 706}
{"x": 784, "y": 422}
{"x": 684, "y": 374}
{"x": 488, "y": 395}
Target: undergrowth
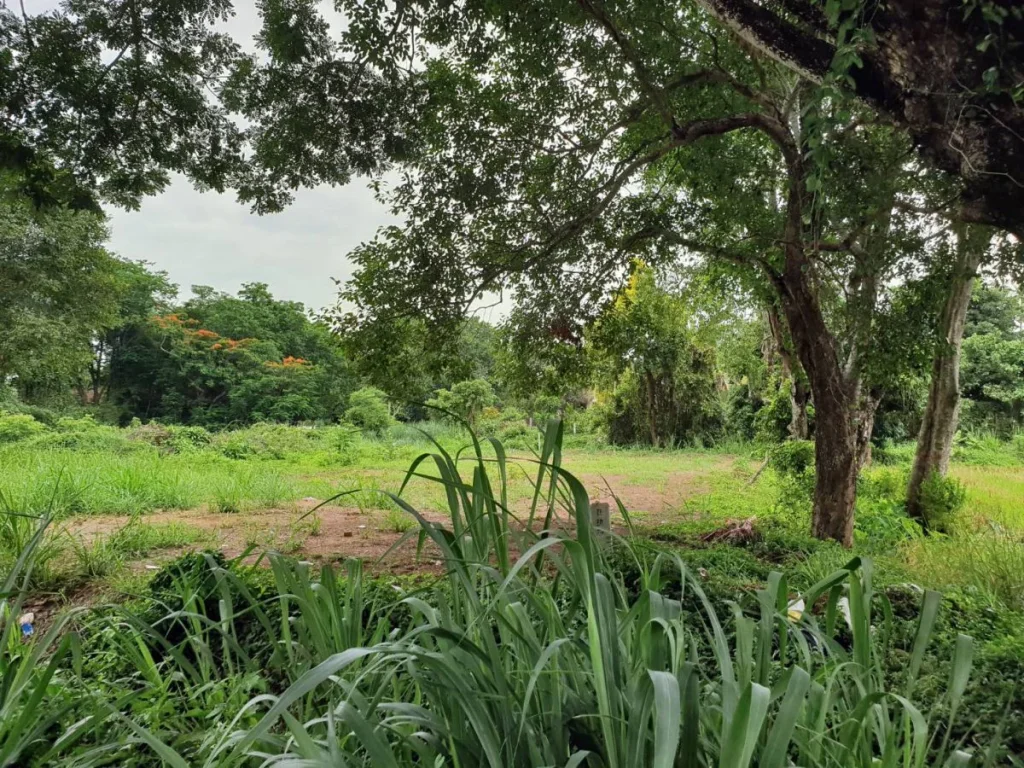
{"x": 536, "y": 647}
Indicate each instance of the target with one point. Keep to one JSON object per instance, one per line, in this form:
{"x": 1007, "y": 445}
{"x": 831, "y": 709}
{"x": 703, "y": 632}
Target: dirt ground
{"x": 336, "y": 533}
{"x": 330, "y": 533}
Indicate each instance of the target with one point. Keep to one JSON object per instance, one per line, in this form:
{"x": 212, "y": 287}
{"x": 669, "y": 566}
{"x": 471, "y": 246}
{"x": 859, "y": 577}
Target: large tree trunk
{"x": 928, "y": 69}
{"x": 835, "y": 456}
{"x": 938, "y": 425}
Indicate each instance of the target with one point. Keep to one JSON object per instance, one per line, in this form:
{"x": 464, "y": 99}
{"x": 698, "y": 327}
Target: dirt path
{"x": 335, "y": 533}
{"x": 330, "y": 533}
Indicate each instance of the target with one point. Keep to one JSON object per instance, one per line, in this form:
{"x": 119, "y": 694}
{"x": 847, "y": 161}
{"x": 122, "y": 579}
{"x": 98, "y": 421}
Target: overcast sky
{"x": 209, "y": 239}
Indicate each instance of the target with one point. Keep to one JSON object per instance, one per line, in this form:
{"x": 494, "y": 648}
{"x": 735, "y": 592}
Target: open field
{"x": 178, "y": 633}
{"x": 323, "y": 494}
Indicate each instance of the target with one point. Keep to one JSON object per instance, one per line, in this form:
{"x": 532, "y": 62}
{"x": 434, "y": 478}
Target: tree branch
{"x": 657, "y": 95}
{"x": 803, "y": 51}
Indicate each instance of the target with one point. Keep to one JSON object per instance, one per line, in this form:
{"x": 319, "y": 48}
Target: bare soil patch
{"x": 342, "y": 533}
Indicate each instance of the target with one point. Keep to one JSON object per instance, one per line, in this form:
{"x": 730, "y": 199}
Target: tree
{"x": 951, "y": 74}
{"x": 992, "y": 371}
{"x": 114, "y": 97}
{"x": 141, "y": 294}
{"x": 58, "y": 285}
{"x": 657, "y": 370}
{"x": 939, "y": 421}
{"x": 466, "y": 400}
{"x": 409, "y": 361}
{"x": 196, "y": 363}
{"x": 368, "y": 409}
{"x": 578, "y": 139}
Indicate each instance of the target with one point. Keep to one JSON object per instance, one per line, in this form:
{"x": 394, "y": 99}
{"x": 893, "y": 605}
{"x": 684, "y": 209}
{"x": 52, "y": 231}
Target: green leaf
{"x": 667, "y": 718}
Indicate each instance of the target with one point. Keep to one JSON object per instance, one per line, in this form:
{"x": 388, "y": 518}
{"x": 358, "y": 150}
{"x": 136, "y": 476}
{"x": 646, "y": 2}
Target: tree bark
{"x": 866, "y": 427}
{"x": 927, "y": 72}
{"x": 938, "y": 425}
{"x": 652, "y": 409}
{"x": 835, "y": 456}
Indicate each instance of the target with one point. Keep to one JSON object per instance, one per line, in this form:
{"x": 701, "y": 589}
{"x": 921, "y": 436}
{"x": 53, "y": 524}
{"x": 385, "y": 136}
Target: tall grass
{"x": 991, "y": 563}
{"x": 76, "y": 482}
{"x": 533, "y": 649}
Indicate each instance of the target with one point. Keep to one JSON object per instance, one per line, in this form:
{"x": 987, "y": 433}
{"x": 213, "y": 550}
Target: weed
{"x": 941, "y": 499}
{"x": 398, "y": 521}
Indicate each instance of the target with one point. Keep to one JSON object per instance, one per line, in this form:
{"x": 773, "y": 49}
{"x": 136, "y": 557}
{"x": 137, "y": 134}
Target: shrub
{"x": 771, "y": 422}
{"x": 236, "y": 447}
{"x": 368, "y": 409}
{"x": 1018, "y": 445}
{"x": 466, "y": 400}
{"x": 941, "y": 499}
{"x": 15, "y": 427}
{"x": 883, "y": 483}
{"x": 187, "y": 439}
{"x": 518, "y": 436}
{"x": 793, "y": 458}
{"x": 881, "y": 523}
{"x": 151, "y": 433}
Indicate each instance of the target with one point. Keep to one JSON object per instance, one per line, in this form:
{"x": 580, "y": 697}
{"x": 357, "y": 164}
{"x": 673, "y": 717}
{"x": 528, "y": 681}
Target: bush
{"x": 793, "y": 458}
{"x": 740, "y": 410}
{"x": 368, "y": 409}
{"x": 84, "y": 434}
{"x": 15, "y": 427}
{"x": 881, "y": 523}
{"x": 518, "y": 436}
{"x": 467, "y": 400}
{"x": 1018, "y": 445}
{"x": 188, "y": 439}
{"x": 941, "y": 499}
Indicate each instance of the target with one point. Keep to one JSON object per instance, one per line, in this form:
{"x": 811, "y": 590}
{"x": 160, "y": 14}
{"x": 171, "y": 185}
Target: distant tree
{"x": 58, "y": 285}
{"x": 409, "y": 362}
{"x": 995, "y": 310}
{"x": 141, "y": 294}
{"x": 368, "y": 409}
{"x": 992, "y": 373}
{"x": 662, "y": 379}
{"x": 466, "y": 399}
{"x": 474, "y": 353}
{"x": 197, "y": 363}
{"x": 278, "y": 391}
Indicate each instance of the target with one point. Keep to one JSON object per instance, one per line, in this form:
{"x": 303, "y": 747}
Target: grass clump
{"x": 990, "y": 563}
{"x": 942, "y": 498}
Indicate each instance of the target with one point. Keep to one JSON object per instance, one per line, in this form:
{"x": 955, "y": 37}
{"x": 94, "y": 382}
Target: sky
{"x": 210, "y": 239}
